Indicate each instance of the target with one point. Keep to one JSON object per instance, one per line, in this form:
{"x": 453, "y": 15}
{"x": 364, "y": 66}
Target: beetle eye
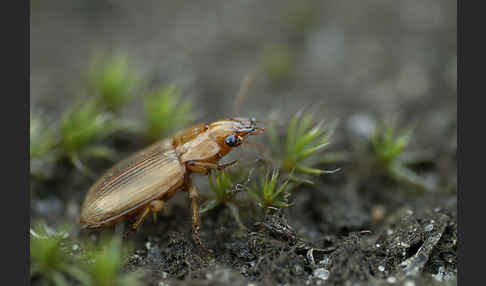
{"x": 231, "y": 140}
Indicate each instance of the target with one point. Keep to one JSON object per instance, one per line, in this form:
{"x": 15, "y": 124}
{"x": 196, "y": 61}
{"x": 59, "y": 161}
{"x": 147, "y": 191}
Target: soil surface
{"x": 356, "y": 63}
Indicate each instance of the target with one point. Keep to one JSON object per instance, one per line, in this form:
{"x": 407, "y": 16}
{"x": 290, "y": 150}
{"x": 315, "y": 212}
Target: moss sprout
{"x": 113, "y": 81}
{"x": 269, "y": 193}
{"x": 166, "y": 111}
{"x": 277, "y": 63}
{"x": 304, "y": 143}
{"x": 42, "y": 138}
{"x": 224, "y": 188}
{"x": 43, "y": 153}
{"x": 81, "y": 128}
{"x": 388, "y": 146}
{"x": 105, "y": 265}
{"x": 51, "y": 262}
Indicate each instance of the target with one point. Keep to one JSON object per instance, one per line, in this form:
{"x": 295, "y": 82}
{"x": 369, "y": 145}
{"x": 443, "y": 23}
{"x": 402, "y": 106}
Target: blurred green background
{"x": 378, "y": 56}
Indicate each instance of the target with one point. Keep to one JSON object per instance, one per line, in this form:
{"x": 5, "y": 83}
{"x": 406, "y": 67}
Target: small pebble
{"x": 361, "y": 125}
{"x": 298, "y": 269}
{"x": 409, "y": 283}
{"x": 321, "y": 273}
{"x": 404, "y": 244}
{"x": 389, "y": 231}
{"x": 325, "y": 260}
{"x": 378, "y": 245}
{"x": 429, "y": 227}
{"x": 381, "y": 268}
{"x": 391, "y": 279}
{"x": 378, "y": 213}
{"x": 440, "y": 274}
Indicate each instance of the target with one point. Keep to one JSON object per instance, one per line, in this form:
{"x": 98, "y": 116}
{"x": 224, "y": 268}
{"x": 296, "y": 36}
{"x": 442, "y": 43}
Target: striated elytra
{"x": 142, "y": 183}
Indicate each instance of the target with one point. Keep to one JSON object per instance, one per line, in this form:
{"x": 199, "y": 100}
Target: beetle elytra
{"x": 143, "y": 182}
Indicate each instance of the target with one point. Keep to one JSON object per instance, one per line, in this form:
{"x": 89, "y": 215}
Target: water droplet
{"x": 378, "y": 245}
{"x": 321, "y": 273}
{"x": 75, "y": 247}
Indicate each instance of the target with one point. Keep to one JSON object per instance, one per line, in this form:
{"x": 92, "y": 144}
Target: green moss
{"x": 42, "y": 138}
{"x": 82, "y": 128}
{"x": 304, "y": 144}
{"x": 299, "y": 17}
{"x": 278, "y": 63}
{"x": 166, "y": 111}
{"x": 388, "y": 146}
{"x": 105, "y": 266}
{"x": 50, "y": 260}
{"x": 269, "y": 193}
{"x": 113, "y": 81}
{"x": 224, "y": 187}
{"x": 42, "y": 144}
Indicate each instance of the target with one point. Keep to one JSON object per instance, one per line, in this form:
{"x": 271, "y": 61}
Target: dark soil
{"x": 375, "y": 233}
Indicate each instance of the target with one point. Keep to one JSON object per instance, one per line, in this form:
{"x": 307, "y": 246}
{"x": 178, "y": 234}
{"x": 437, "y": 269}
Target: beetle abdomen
{"x": 133, "y": 183}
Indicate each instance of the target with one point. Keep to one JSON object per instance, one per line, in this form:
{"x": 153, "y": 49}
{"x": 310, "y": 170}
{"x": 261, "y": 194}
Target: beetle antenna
{"x": 243, "y": 91}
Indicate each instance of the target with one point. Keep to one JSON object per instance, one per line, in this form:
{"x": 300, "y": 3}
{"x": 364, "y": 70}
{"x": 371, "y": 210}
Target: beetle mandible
{"x": 143, "y": 182}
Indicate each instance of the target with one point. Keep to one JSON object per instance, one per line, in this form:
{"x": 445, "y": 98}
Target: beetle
{"x": 143, "y": 182}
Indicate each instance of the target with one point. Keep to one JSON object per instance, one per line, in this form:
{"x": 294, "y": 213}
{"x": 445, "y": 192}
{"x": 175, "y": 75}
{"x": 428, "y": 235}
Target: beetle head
{"x": 232, "y": 132}
{"x": 195, "y": 144}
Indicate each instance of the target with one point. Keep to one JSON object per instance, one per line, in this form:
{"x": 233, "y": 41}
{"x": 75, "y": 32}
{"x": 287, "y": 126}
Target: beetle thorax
{"x": 202, "y": 147}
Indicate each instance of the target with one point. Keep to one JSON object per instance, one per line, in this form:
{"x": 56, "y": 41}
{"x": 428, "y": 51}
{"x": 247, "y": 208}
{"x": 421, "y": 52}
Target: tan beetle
{"x": 144, "y": 181}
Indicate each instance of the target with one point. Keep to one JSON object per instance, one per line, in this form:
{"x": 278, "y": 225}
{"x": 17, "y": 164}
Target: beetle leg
{"x": 193, "y": 196}
{"x": 205, "y": 167}
{"x": 222, "y": 167}
{"x": 141, "y": 217}
{"x": 199, "y": 167}
{"x": 156, "y": 206}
